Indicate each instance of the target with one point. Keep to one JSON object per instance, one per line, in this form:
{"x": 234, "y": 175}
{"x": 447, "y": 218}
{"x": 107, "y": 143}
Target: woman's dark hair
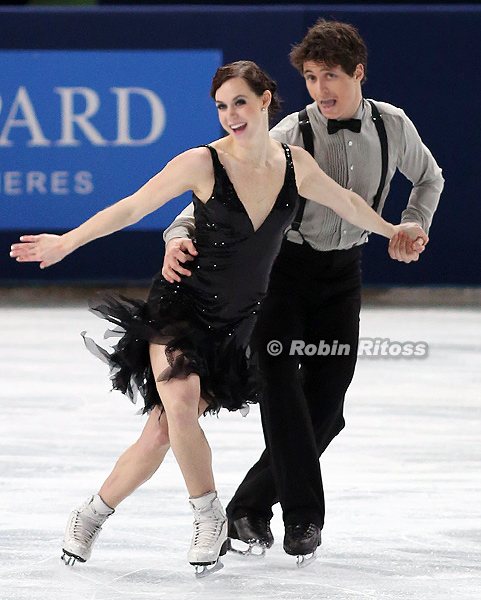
{"x": 253, "y": 75}
{"x": 334, "y": 44}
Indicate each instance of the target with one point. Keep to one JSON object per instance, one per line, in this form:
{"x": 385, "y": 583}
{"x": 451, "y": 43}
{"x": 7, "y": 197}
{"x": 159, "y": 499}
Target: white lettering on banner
{"x": 36, "y": 182}
{"x": 22, "y": 101}
{"x": 82, "y": 119}
{"x": 58, "y": 181}
{"x": 12, "y": 183}
{"x": 123, "y": 116}
{"x": 69, "y": 120}
{"x": 15, "y": 183}
{"x": 83, "y": 183}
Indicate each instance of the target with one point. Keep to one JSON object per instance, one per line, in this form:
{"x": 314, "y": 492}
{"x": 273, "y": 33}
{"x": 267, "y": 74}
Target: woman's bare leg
{"x": 182, "y": 404}
{"x": 139, "y": 462}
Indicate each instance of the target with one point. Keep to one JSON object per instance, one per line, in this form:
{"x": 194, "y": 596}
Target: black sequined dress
{"x": 206, "y": 320}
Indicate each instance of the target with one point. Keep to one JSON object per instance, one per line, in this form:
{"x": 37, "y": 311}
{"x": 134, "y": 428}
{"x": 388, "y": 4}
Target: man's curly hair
{"x": 334, "y": 44}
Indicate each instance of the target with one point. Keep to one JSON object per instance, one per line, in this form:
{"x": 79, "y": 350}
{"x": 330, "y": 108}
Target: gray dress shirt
{"x": 354, "y": 161}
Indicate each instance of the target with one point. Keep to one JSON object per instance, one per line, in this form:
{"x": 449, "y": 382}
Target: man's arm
{"x": 416, "y": 162}
{"x": 418, "y": 165}
{"x": 183, "y": 226}
{"x": 179, "y": 247}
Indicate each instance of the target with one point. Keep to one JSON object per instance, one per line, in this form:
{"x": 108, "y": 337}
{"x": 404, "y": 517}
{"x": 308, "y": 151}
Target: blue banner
{"x": 80, "y": 130}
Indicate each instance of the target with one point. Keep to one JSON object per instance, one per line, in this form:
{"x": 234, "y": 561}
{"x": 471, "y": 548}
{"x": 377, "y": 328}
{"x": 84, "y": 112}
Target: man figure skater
{"x": 315, "y": 288}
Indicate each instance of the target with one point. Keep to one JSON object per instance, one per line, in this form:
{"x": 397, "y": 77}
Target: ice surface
{"x": 402, "y": 481}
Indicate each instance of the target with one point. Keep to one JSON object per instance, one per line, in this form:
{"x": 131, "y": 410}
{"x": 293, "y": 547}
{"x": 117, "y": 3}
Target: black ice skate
{"x": 253, "y": 531}
{"x": 302, "y": 540}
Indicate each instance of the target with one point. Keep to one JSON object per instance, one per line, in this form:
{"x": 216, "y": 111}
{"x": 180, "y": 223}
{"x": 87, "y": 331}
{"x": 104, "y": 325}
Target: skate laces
{"x": 301, "y": 530}
{"x": 207, "y": 526}
{"x": 85, "y": 528}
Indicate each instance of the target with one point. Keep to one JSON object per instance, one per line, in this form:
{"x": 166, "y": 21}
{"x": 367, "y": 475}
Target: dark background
{"x": 422, "y": 58}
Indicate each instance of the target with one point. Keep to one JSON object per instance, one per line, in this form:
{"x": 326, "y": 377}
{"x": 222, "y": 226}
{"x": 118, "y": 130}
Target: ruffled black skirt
{"x": 219, "y": 356}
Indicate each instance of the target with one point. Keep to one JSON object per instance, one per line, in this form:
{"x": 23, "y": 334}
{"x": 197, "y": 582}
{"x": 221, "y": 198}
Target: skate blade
{"x": 202, "y": 571}
{"x": 304, "y": 560}
{"x": 254, "y": 549}
{"x": 69, "y": 559}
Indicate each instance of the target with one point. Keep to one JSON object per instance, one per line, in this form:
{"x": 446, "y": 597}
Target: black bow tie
{"x": 334, "y": 126}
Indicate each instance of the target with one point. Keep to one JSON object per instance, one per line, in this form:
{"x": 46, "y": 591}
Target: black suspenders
{"x": 306, "y": 131}
{"x": 308, "y": 140}
{"x": 381, "y": 131}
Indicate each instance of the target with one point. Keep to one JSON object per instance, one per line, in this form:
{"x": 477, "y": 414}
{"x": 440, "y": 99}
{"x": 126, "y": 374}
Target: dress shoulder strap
{"x": 215, "y": 158}
{"x": 288, "y": 153}
{"x": 220, "y": 173}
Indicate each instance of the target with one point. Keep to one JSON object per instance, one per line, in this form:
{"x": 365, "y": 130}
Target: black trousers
{"x": 314, "y": 297}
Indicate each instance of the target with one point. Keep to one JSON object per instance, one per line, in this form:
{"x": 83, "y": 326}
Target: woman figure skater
{"x": 184, "y": 349}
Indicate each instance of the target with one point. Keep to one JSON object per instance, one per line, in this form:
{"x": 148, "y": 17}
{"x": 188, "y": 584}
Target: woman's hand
{"x": 46, "y": 248}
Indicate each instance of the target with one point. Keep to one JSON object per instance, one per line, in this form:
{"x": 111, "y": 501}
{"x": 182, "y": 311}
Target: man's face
{"x": 337, "y": 94}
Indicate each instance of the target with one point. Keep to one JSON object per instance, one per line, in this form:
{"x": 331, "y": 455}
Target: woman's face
{"x": 240, "y": 109}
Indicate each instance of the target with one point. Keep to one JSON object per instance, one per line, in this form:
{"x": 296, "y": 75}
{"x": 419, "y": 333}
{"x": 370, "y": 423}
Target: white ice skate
{"x": 83, "y": 528}
{"x": 209, "y": 540}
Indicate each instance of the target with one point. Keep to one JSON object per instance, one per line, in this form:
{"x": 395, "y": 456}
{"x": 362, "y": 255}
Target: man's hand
{"x": 403, "y": 249}
{"x": 177, "y": 251}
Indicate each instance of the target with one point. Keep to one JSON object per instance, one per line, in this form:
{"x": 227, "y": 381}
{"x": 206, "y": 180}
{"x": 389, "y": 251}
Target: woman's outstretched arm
{"x": 314, "y": 184}
{"x": 187, "y": 171}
